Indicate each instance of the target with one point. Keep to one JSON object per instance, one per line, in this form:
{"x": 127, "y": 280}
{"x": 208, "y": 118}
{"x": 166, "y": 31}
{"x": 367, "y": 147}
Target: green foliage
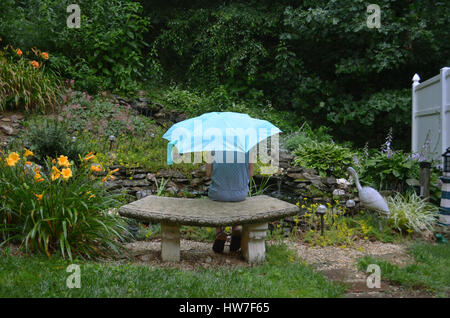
{"x": 48, "y": 137}
{"x": 106, "y": 51}
{"x": 196, "y": 103}
{"x": 104, "y": 116}
{"x": 59, "y": 209}
{"x": 430, "y": 270}
{"x": 23, "y": 86}
{"x": 340, "y": 229}
{"x": 327, "y": 157}
{"x": 254, "y": 189}
{"x": 283, "y": 276}
{"x": 389, "y": 170}
{"x": 305, "y": 135}
{"x": 412, "y": 214}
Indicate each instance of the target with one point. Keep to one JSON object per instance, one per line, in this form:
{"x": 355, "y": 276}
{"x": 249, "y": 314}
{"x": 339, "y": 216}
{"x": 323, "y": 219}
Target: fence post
{"x": 445, "y": 124}
{"x": 414, "y": 127}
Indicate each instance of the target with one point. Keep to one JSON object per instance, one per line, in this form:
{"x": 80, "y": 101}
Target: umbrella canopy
{"x": 218, "y": 131}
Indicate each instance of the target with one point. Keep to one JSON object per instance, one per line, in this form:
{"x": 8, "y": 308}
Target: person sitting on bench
{"x": 230, "y": 173}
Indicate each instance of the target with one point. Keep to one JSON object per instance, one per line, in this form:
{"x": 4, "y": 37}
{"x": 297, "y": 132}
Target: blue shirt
{"x": 229, "y": 178}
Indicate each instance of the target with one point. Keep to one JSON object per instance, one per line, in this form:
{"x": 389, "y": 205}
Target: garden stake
{"x": 321, "y": 210}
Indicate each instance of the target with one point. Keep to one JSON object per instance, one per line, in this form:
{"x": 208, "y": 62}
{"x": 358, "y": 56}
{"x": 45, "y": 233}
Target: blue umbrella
{"x": 218, "y": 131}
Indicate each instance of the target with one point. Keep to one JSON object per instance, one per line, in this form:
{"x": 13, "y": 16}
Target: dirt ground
{"x": 337, "y": 264}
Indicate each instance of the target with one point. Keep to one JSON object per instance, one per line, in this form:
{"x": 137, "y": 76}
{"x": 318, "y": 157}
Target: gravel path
{"x": 337, "y": 264}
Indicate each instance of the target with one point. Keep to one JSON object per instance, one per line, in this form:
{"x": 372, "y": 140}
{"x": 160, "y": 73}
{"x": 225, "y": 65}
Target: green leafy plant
{"x": 62, "y": 208}
{"x": 25, "y": 84}
{"x": 255, "y": 189}
{"x": 410, "y": 213}
{"x": 326, "y": 157}
{"x": 48, "y": 137}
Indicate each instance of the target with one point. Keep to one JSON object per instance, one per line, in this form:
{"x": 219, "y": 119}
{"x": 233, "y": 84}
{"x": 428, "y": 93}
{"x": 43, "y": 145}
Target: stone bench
{"x": 253, "y": 214}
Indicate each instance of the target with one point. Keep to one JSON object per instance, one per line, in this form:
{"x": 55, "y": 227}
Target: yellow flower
{"x": 39, "y": 196}
{"x": 297, "y": 204}
{"x": 63, "y": 161}
{"x": 92, "y": 196}
{"x": 55, "y": 173}
{"x": 303, "y": 206}
{"x": 28, "y": 153}
{"x": 12, "y": 159}
{"x": 28, "y": 163}
{"x": 66, "y": 173}
{"x": 366, "y": 238}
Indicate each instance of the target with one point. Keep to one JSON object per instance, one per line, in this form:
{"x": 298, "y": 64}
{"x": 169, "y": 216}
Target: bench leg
{"x": 170, "y": 243}
{"x": 253, "y": 242}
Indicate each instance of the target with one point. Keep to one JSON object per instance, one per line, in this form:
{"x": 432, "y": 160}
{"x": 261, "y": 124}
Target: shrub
{"x": 305, "y": 135}
{"x": 389, "y": 170}
{"x": 49, "y": 137}
{"x": 25, "y": 84}
{"x": 412, "y": 214}
{"x": 326, "y": 157}
{"x": 104, "y": 117}
{"x": 106, "y": 51}
{"x": 60, "y": 208}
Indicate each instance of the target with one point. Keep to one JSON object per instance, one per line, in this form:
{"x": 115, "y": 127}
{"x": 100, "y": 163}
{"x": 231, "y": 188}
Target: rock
{"x": 310, "y": 171}
{"x": 135, "y": 183}
{"x": 7, "y": 129}
{"x": 196, "y": 181}
{"x": 330, "y": 180}
{"x": 301, "y": 185}
{"x": 198, "y": 173}
{"x": 342, "y": 183}
{"x": 143, "y": 193}
{"x": 338, "y": 192}
{"x": 146, "y": 258}
{"x": 294, "y": 169}
{"x": 297, "y": 176}
{"x": 139, "y": 176}
{"x": 166, "y": 173}
{"x": 208, "y": 260}
{"x": 6, "y": 120}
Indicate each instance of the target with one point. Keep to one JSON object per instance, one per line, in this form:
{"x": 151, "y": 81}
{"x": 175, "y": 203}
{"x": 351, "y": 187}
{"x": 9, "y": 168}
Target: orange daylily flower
{"x": 39, "y": 196}
{"x": 28, "y": 153}
{"x": 66, "y": 173}
{"x": 63, "y": 161}
{"x": 35, "y": 64}
{"x": 45, "y": 55}
{"x": 89, "y": 156}
{"x": 19, "y": 52}
{"x": 96, "y": 168}
{"x": 38, "y": 177}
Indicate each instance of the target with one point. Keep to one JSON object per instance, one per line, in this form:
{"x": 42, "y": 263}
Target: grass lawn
{"x": 430, "y": 270}
{"x": 282, "y": 275}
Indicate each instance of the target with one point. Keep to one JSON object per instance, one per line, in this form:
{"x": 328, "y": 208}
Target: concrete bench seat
{"x": 253, "y": 214}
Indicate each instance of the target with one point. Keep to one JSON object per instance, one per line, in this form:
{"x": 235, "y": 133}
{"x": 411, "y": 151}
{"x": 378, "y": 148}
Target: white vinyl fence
{"x": 431, "y": 114}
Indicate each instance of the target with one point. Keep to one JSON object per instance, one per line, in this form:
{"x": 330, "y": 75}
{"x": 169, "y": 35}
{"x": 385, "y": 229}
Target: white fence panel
{"x": 431, "y": 113}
